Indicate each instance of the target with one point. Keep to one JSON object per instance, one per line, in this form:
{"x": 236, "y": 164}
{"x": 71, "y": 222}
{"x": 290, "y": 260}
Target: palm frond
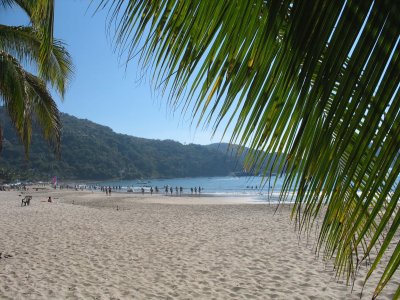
{"x": 12, "y": 89}
{"x": 24, "y": 95}
{"x": 45, "y": 110}
{"x": 316, "y": 80}
{"x": 25, "y": 44}
{"x": 26, "y": 98}
{"x": 41, "y": 14}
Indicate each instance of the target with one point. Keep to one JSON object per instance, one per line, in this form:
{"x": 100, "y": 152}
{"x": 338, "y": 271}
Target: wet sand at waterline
{"x": 86, "y": 245}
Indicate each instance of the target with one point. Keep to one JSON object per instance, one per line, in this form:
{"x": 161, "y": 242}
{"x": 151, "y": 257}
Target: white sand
{"x": 157, "y": 247}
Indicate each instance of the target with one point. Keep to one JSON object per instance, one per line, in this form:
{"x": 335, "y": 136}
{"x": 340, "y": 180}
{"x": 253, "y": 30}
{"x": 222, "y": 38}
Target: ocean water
{"x": 253, "y": 187}
{"x": 227, "y": 185}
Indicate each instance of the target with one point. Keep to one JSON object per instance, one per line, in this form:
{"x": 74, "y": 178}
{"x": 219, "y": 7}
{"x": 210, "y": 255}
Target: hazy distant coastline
{"x": 92, "y": 152}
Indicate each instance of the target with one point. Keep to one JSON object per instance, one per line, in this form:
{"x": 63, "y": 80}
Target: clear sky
{"x": 102, "y": 90}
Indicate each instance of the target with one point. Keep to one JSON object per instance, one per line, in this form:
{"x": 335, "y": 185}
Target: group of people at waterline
{"x": 180, "y": 190}
{"x": 169, "y": 190}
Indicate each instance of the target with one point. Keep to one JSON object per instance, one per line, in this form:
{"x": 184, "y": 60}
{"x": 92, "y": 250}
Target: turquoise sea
{"x": 251, "y": 186}
{"x": 227, "y": 185}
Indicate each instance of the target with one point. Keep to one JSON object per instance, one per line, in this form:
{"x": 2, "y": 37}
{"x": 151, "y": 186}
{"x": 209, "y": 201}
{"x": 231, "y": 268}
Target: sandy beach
{"x": 86, "y": 245}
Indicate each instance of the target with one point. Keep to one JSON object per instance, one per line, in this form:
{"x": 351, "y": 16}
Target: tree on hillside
{"x": 25, "y": 95}
{"x": 317, "y": 80}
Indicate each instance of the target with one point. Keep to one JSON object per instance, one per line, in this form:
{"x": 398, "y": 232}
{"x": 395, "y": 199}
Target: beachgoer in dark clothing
{"x": 170, "y": 189}
{"x": 109, "y": 190}
{"x": 181, "y": 190}
{"x": 151, "y": 190}
{"x": 191, "y": 190}
{"x": 195, "y": 190}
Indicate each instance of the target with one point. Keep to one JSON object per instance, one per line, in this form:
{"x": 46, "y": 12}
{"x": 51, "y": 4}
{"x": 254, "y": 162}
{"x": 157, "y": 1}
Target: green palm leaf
{"x": 41, "y": 14}
{"x": 316, "y": 80}
{"x": 24, "y": 95}
{"x": 24, "y": 44}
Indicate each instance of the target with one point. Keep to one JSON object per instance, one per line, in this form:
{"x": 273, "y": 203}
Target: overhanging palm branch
{"x": 24, "y": 95}
{"x": 41, "y": 14}
{"x": 24, "y": 43}
{"x": 316, "y": 80}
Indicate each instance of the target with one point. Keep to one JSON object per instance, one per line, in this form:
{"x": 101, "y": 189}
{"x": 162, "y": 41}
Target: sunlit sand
{"x": 85, "y": 245}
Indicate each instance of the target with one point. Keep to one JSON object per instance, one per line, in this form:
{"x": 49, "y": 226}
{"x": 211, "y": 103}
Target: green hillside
{"x": 93, "y": 152}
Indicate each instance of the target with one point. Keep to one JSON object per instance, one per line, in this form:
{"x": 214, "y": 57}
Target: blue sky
{"x": 102, "y": 90}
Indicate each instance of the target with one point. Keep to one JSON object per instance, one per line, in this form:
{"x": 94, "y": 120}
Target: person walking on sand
{"x": 106, "y": 191}
{"x": 109, "y": 190}
{"x": 151, "y": 190}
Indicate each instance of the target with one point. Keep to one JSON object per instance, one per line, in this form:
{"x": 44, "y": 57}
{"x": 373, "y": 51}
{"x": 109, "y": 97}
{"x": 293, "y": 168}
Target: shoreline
{"x": 155, "y": 247}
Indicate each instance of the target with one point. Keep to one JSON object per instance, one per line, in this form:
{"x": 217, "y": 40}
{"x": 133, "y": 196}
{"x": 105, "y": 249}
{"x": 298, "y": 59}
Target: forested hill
{"x": 93, "y": 152}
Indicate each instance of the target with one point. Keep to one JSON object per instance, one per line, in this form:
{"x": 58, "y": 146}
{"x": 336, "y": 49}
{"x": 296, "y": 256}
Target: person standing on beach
{"x": 106, "y": 191}
{"x": 109, "y": 190}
